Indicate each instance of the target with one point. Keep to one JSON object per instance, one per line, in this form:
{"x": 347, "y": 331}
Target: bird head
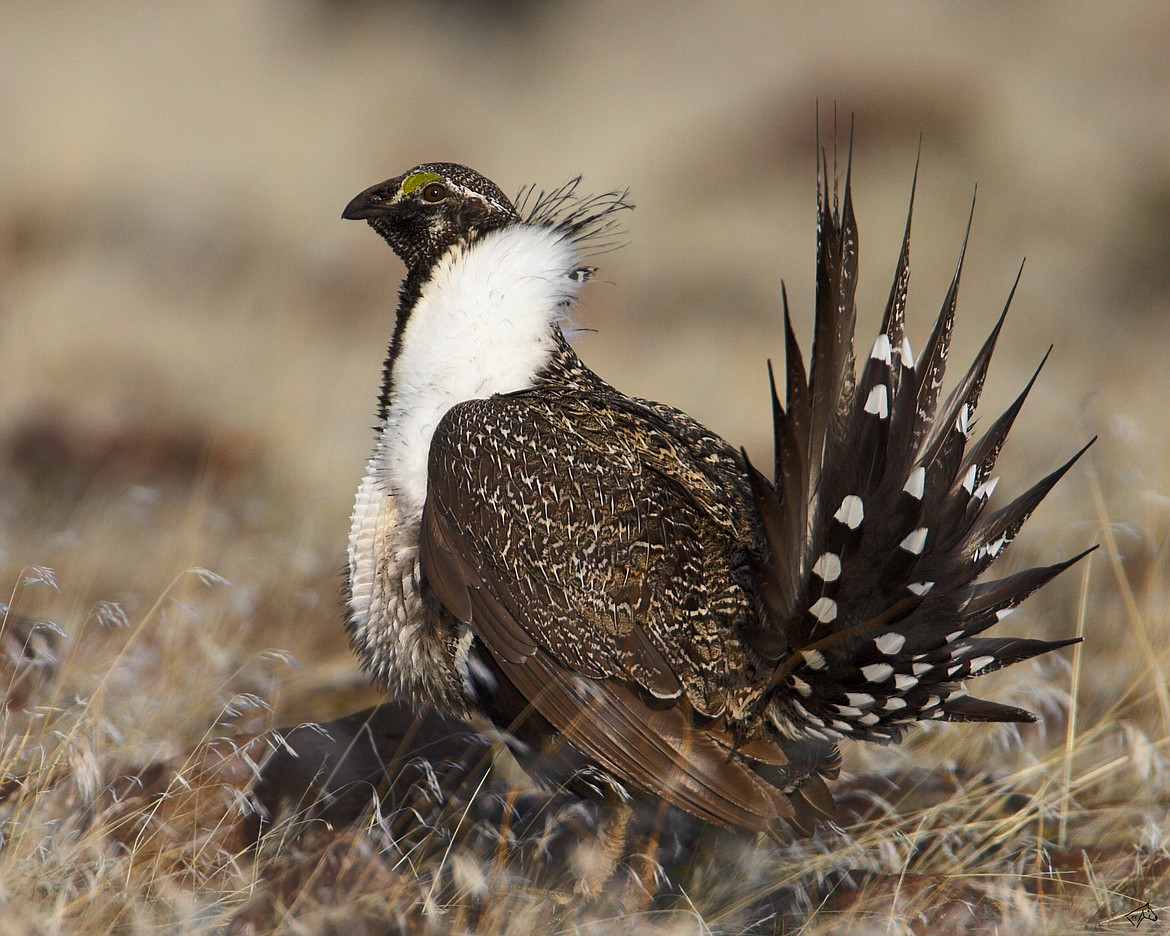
{"x": 427, "y": 210}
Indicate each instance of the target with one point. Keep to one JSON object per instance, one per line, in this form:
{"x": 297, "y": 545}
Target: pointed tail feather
{"x": 876, "y": 521}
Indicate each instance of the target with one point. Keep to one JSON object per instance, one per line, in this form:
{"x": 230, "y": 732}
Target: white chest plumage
{"x": 482, "y": 325}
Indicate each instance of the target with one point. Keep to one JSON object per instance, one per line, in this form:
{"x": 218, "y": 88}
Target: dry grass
{"x": 131, "y": 744}
{"x": 189, "y": 348}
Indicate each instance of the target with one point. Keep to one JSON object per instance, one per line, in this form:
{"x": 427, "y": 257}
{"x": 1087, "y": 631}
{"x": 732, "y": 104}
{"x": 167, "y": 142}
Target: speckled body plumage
{"x": 616, "y": 586}
{"x": 585, "y": 477}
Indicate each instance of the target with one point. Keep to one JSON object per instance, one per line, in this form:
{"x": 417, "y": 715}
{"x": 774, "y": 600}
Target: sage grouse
{"x": 616, "y": 586}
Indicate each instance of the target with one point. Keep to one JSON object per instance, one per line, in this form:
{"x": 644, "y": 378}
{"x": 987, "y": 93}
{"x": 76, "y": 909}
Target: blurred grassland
{"x": 191, "y": 342}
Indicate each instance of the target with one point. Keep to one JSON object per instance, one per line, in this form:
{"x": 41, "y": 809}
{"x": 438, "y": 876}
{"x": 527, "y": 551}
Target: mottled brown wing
{"x": 603, "y": 594}
{"x": 612, "y": 567}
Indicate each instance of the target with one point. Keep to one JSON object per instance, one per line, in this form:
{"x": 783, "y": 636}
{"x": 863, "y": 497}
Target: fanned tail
{"x": 876, "y": 518}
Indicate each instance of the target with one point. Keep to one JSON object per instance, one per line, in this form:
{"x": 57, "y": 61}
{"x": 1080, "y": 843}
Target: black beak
{"x": 362, "y": 207}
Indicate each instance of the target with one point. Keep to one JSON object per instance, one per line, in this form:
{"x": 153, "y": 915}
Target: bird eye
{"x": 434, "y": 192}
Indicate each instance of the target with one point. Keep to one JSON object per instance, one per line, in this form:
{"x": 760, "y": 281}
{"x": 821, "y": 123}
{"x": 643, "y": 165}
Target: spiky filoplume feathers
{"x": 618, "y": 588}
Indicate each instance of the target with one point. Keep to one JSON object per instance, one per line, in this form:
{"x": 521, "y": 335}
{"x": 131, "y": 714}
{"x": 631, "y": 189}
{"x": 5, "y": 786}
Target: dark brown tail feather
{"x": 875, "y": 517}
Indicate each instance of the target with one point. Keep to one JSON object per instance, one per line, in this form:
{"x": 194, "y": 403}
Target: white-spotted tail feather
{"x": 876, "y": 517}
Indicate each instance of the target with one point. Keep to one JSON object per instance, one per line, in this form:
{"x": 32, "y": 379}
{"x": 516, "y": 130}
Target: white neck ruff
{"x": 482, "y": 325}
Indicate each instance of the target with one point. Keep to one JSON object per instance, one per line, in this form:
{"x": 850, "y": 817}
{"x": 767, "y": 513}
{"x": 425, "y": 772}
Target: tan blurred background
{"x": 191, "y": 340}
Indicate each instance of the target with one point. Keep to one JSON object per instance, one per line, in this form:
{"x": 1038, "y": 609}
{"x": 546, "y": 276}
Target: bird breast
{"x": 484, "y": 323}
